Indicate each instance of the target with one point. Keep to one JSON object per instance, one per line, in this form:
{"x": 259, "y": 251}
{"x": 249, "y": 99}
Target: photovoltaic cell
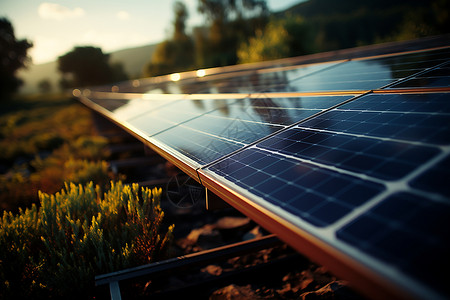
{"x": 317, "y": 195}
{"x": 438, "y": 77}
{"x": 436, "y": 179}
{"x": 415, "y": 123}
{"x": 409, "y": 232}
{"x": 368, "y": 175}
{"x": 237, "y": 124}
{"x": 386, "y": 160}
{"x": 368, "y": 74}
{"x": 373, "y": 146}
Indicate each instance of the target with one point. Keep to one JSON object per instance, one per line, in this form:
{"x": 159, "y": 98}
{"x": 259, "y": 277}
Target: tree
{"x": 13, "y": 56}
{"x": 281, "y": 38}
{"x": 230, "y": 23}
{"x": 85, "y": 66}
{"x": 175, "y": 54}
{"x": 45, "y": 86}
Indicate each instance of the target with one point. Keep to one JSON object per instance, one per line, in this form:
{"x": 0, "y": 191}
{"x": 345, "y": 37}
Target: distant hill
{"x": 133, "y": 60}
{"x": 338, "y": 24}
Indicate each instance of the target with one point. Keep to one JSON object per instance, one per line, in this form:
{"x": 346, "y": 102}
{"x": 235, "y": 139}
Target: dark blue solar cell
{"x": 354, "y": 145}
{"x": 407, "y": 231}
{"x": 271, "y": 185}
{"x": 249, "y": 156}
{"x": 336, "y": 141}
{"x": 362, "y": 163}
{"x": 278, "y": 167}
{"x": 315, "y": 138}
{"x": 306, "y": 202}
{"x": 436, "y": 179}
{"x": 361, "y": 128}
{"x": 234, "y": 166}
{"x": 394, "y": 245}
{"x": 291, "y": 148}
{"x": 311, "y": 151}
{"x": 263, "y": 162}
{"x": 407, "y": 119}
{"x": 439, "y": 77}
{"x": 255, "y": 178}
{"x": 287, "y": 192}
{"x": 438, "y": 225}
{"x": 329, "y": 213}
{"x": 360, "y": 192}
{"x": 358, "y": 117}
{"x": 418, "y": 154}
{"x": 340, "y": 126}
{"x": 294, "y": 173}
{"x": 312, "y": 179}
{"x": 335, "y": 155}
{"x": 296, "y": 186}
{"x": 335, "y": 185}
{"x": 368, "y": 229}
{"x": 385, "y": 130}
{"x": 392, "y": 170}
{"x": 242, "y": 172}
{"x": 398, "y": 207}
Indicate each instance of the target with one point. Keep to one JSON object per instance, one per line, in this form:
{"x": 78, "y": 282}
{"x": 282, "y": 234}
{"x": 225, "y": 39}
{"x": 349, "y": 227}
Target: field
{"x": 65, "y": 218}
{"x": 45, "y": 141}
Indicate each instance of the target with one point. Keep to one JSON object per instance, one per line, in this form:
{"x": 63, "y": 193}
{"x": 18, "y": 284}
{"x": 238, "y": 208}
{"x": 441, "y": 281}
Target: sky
{"x": 56, "y": 27}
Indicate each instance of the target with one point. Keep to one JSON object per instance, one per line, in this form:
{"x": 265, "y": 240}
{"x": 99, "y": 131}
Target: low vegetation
{"x": 75, "y": 234}
{"x": 58, "y": 228}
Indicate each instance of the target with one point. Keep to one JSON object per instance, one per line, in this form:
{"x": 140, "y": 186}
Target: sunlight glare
{"x": 175, "y": 77}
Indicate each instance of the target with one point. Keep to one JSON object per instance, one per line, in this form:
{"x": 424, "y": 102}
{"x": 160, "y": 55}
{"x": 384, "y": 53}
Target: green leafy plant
{"x": 57, "y": 249}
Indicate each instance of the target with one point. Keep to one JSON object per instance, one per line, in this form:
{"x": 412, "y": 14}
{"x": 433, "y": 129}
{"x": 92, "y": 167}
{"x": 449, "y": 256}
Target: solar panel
{"x": 346, "y": 160}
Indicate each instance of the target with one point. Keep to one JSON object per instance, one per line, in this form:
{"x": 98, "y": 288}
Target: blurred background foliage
{"x": 242, "y": 31}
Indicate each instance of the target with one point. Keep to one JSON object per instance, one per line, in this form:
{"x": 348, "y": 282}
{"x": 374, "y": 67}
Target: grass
{"x": 58, "y": 229}
{"x": 45, "y": 141}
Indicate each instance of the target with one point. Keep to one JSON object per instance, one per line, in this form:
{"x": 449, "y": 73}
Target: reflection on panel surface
{"x": 375, "y": 149}
{"x": 368, "y": 74}
{"x": 366, "y": 174}
{"x": 239, "y": 123}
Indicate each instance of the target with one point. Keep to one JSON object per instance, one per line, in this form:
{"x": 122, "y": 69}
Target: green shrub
{"x": 56, "y": 250}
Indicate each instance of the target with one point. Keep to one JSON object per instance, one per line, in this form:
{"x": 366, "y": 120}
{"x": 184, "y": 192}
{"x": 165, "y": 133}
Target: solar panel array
{"x": 351, "y": 156}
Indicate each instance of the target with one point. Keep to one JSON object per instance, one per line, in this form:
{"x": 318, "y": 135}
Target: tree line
{"x": 242, "y": 31}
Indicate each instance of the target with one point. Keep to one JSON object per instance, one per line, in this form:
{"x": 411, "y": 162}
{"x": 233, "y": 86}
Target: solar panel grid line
{"x": 175, "y": 124}
{"x": 398, "y": 186}
{"x": 318, "y": 171}
{"x": 415, "y": 75}
{"x": 376, "y": 264}
{"x": 378, "y": 138}
{"x": 274, "y": 133}
{"x": 322, "y": 165}
{"x": 332, "y": 64}
{"x": 368, "y": 281}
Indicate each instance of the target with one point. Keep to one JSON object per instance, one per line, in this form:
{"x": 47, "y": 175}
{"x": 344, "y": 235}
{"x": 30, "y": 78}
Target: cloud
{"x": 123, "y": 15}
{"x": 58, "y": 12}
